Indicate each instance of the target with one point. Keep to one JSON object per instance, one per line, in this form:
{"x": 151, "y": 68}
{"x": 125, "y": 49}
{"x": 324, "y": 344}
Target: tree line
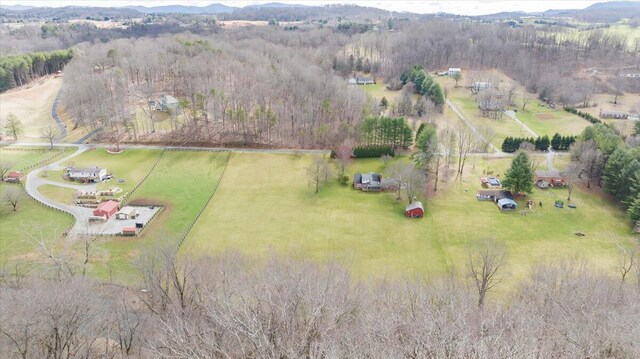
{"x": 604, "y": 157}
{"x": 21, "y": 69}
{"x": 543, "y": 61}
{"x": 231, "y": 307}
{"x": 541, "y": 143}
{"x": 383, "y": 130}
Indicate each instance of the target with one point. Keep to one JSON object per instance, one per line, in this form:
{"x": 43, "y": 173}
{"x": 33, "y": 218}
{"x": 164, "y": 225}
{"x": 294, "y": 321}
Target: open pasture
{"x": 32, "y": 104}
{"x": 264, "y": 205}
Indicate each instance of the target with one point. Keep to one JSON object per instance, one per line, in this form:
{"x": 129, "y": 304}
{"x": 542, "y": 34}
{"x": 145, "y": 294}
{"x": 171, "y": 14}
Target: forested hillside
{"x": 251, "y": 86}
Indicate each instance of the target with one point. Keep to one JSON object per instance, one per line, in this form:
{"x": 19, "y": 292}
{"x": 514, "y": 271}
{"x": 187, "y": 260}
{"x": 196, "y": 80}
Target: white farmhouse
{"x": 95, "y": 174}
{"x": 454, "y": 70}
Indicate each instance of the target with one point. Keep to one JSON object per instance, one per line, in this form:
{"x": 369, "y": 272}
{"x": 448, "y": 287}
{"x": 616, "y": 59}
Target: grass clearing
{"x": 274, "y": 210}
{"x": 182, "y": 182}
{"x": 130, "y": 165}
{"x": 21, "y": 158}
{"x": 57, "y": 193}
{"x": 545, "y": 121}
{"x": 500, "y": 128}
{"x": 32, "y": 105}
{"x": 20, "y": 230}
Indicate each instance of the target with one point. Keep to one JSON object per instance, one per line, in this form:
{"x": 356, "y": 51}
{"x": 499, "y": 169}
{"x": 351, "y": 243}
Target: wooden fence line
{"x": 188, "y": 230}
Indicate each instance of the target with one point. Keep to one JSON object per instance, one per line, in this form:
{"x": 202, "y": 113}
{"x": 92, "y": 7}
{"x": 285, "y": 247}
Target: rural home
{"x": 414, "y": 210}
{"x": 490, "y": 182}
{"x": 454, "y": 70}
{"x": 166, "y": 103}
{"x": 13, "y": 177}
{"x": 552, "y": 179}
{"x": 362, "y": 81}
{"x": 617, "y": 115}
{"x": 106, "y": 209}
{"x": 481, "y": 85}
{"x": 127, "y": 213}
{"x": 95, "y": 174}
{"x": 368, "y": 182}
{"x": 493, "y": 195}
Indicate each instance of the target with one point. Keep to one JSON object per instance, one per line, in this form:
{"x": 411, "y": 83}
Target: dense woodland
{"x": 253, "y": 86}
{"x": 227, "y": 307}
{"x": 21, "y": 69}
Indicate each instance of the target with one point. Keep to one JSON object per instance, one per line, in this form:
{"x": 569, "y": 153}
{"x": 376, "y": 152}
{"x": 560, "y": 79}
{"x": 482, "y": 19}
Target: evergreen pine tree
{"x": 519, "y": 177}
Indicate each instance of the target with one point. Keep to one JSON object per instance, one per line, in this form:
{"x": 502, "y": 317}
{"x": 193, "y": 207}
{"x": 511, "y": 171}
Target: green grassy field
{"x": 130, "y": 165}
{"x": 500, "y": 128}
{"x": 21, "y": 158}
{"x": 20, "y": 230}
{"x": 545, "y": 121}
{"x": 57, "y": 193}
{"x": 182, "y": 182}
{"x": 273, "y": 210}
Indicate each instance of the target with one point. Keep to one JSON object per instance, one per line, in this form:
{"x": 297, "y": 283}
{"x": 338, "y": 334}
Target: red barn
{"x": 13, "y": 177}
{"x": 106, "y": 209}
{"x": 414, "y": 210}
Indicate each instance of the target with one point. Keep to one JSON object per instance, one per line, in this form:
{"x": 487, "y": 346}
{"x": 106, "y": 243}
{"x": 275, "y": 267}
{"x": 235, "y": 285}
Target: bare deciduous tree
{"x": 12, "y": 197}
{"x": 49, "y": 132}
{"x": 344, "y": 153}
{"x": 626, "y": 261}
{"x": 5, "y": 166}
{"x": 484, "y": 266}
{"x": 318, "y": 172}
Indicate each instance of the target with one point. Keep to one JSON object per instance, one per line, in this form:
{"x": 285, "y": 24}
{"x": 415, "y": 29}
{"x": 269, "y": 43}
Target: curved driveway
{"x": 34, "y": 180}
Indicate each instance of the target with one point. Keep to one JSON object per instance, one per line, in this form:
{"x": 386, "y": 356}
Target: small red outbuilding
{"x": 414, "y": 210}
{"x": 106, "y": 209}
{"x": 13, "y": 177}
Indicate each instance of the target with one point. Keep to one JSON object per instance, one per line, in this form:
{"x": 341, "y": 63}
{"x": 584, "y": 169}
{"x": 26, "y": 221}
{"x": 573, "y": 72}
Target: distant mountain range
{"x": 182, "y": 9}
{"x": 606, "y": 11}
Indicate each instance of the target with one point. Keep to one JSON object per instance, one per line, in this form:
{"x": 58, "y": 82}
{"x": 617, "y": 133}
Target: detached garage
{"x": 106, "y": 209}
{"x": 414, "y": 210}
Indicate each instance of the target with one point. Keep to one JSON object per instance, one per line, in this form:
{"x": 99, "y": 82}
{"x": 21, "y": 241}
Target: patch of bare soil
{"x": 545, "y": 116}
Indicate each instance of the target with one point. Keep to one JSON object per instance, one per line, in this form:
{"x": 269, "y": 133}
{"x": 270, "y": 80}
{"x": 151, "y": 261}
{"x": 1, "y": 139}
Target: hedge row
{"x": 587, "y": 116}
{"x": 372, "y": 151}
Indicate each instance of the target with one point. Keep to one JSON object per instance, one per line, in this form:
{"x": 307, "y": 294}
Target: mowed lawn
{"x": 130, "y": 165}
{"x": 20, "y": 230}
{"x": 499, "y": 128}
{"x": 545, "y": 121}
{"x": 265, "y": 206}
{"x": 32, "y": 222}
{"x": 20, "y": 158}
{"x": 182, "y": 182}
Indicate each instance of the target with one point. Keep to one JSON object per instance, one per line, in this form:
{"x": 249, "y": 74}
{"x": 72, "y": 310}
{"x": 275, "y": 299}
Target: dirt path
{"x": 512, "y": 115}
{"x": 455, "y": 109}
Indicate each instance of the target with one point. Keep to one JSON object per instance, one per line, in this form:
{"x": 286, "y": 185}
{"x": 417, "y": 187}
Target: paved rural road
{"x": 173, "y": 148}
{"x": 550, "y": 155}
{"x": 54, "y": 114}
{"x": 455, "y": 109}
{"x": 513, "y": 116}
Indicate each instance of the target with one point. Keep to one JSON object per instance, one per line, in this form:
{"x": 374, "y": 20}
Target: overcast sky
{"x": 463, "y": 7}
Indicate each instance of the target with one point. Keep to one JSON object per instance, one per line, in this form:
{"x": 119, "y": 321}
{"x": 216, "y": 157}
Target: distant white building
{"x": 361, "y": 81}
{"x": 481, "y": 85}
{"x": 454, "y": 70}
{"x": 166, "y": 103}
{"x": 95, "y": 174}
